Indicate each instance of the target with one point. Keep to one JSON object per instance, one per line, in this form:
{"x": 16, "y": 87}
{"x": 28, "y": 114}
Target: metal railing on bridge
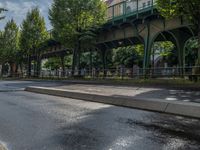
{"x": 129, "y": 7}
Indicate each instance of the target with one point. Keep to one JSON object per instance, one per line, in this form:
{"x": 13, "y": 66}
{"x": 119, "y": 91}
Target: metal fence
{"x": 123, "y": 73}
{"x": 115, "y": 73}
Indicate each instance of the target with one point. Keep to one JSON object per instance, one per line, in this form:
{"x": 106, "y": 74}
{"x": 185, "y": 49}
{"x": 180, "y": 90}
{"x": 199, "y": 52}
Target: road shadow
{"x": 120, "y": 128}
{"x": 168, "y": 95}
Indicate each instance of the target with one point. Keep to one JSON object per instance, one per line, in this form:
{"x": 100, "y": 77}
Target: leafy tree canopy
{"x": 171, "y": 8}
{"x": 73, "y": 17}
{"x": 55, "y": 63}
{"x": 128, "y": 55}
{"x": 189, "y": 8}
{"x": 163, "y": 48}
{"x": 33, "y": 31}
{"x": 10, "y": 42}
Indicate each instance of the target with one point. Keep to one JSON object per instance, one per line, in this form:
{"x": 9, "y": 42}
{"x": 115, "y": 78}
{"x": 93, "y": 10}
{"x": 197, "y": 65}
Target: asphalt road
{"x": 31, "y": 121}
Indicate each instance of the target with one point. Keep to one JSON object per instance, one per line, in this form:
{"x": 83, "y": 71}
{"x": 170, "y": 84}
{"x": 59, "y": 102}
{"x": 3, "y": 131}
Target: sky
{"x": 17, "y": 10}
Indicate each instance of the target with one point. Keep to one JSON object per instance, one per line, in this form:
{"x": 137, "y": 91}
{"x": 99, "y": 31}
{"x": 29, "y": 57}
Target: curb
{"x": 187, "y": 109}
{"x": 112, "y": 83}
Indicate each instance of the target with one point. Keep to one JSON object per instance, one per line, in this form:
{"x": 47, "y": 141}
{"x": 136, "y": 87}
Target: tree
{"x": 163, "y": 48}
{"x": 191, "y": 52}
{"x": 90, "y": 60}
{"x": 72, "y": 21}
{"x": 1, "y": 47}
{"x": 189, "y": 8}
{"x": 10, "y": 45}
{"x": 128, "y": 56}
{"x": 55, "y": 63}
{"x": 33, "y": 34}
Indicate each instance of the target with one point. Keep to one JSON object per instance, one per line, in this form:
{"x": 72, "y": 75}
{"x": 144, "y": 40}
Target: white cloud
{"x": 1, "y": 4}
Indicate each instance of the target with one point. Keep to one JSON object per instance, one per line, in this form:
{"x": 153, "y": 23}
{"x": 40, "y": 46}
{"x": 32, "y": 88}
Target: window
{"x": 128, "y": 9}
{"x": 144, "y": 5}
{"x": 149, "y": 3}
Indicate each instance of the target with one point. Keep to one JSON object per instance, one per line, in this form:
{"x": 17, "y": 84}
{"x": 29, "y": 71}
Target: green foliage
{"x": 52, "y": 63}
{"x": 171, "y": 8}
{"x": 192, "y": 44}
{"x": 9, "y": 42}
{"x": 163, "y": 48}
{"x": 73, "y": 19}
{"x": 191, "y": 52}
{"x": 128, "y": 55}
{"x": 90, "y": 59}
{"x": 189, "y": 8}
{"x": 55, "y": 63}
{"x": 75, "y": 22}
{"x": 33, "y": 32}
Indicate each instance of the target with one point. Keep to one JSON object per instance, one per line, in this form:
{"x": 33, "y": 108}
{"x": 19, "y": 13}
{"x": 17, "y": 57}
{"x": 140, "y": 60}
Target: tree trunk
{"x": 63, "y": 66}
{"x": 74, "y": 61}
{"x": 12, "y": 69}
{"x": 91, "y": 63}
{"x": 21, "y": 69}
{"x": 79, "y": 60}
{"x": 104, "y": 63}
{"x": 16, "y": 70}
{"x": 1, "y": 70}
{"x": 35, "y": 68}
{"x": 75, "y": 56}
{"x": 38, "y": 67}
{"x": 29, "y": 67}
{"x": 76, "y": 50}
{"x": 198, "y": 59}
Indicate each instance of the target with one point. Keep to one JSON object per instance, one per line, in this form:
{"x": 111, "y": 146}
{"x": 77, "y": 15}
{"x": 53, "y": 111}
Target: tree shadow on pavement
{"x": 122, "y": 128}
{"x": 168, "y": 95}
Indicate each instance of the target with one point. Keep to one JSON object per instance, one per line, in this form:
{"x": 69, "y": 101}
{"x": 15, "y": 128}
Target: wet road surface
{"x": 31, "y": 121}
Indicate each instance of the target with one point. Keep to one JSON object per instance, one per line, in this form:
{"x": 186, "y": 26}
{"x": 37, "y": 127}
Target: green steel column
{"x": 103, "y": 52}
{"x": 137, "y": 8}
{"x": 181, "y": 38}
{"x": 147, "y": 49}
{"x": 152, "y": 1}
{"x": 124, "y": 8}
{"x": 124, "y": 11}
{"x": 113, "y": 12}
{"x": 180, "y": 55}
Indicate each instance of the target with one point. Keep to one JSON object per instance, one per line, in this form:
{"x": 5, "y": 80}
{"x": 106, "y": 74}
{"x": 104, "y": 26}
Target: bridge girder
{"x": 148, "y": 29}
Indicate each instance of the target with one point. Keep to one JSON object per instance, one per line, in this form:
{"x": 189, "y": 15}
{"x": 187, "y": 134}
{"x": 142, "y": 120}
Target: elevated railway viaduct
{"x": 131, "y": 23}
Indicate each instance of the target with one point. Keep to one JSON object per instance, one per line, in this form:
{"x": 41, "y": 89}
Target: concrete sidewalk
{"x": 179, "y": 102}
